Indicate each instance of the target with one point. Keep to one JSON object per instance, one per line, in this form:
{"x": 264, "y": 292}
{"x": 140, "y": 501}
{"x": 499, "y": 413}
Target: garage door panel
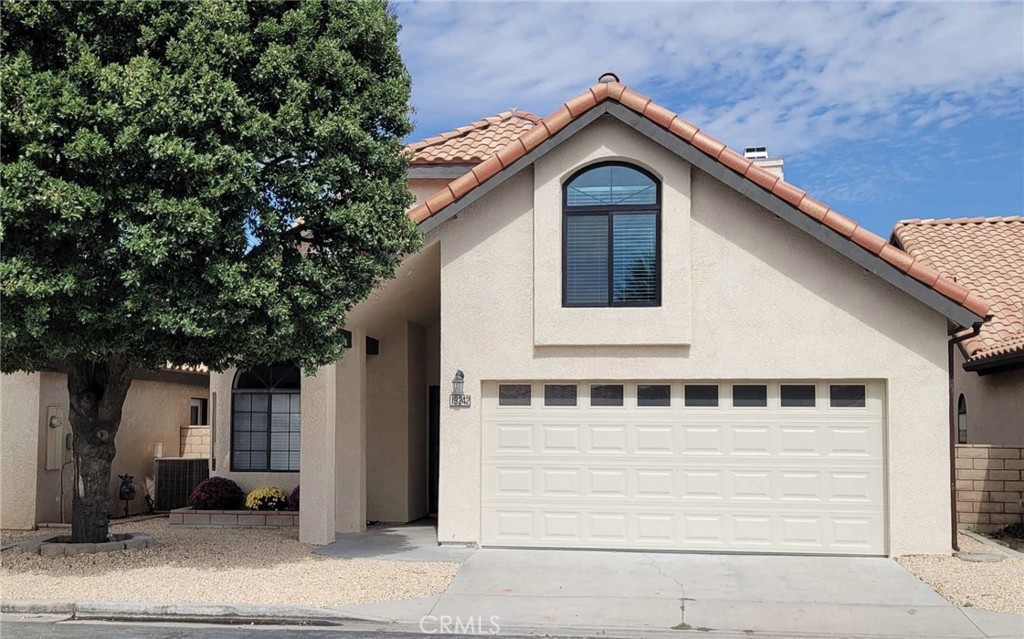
{"x": 769, "y": 479}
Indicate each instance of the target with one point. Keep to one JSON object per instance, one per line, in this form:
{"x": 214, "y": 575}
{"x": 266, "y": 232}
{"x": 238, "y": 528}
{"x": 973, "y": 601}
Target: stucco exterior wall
{"x": 220, "y": 384}
{"x": 667, "y": 324}
{"x": 422, "y": 188}
{"x": 387, "y": 425}
{"x": 153, "y": 412}
{"x": 995, "y": 404}
{"x": 19, "y": 428}
{"x": 396, "y": 424}
{"x": 767, "y": 302}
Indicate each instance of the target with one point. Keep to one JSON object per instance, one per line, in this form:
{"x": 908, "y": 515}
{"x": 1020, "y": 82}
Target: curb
{"x": 206, "y": 613}
{"x": 989, "y": 542}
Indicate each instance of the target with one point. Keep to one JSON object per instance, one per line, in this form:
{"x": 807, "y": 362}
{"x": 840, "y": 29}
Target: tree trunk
{"x": 97, "y": 391}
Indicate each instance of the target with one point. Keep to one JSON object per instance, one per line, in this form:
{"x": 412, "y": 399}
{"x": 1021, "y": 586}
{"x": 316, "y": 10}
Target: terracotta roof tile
{"x": 532, "y": 136}
{"x": 474, "y": 142}
{"x": 985, "y": 255}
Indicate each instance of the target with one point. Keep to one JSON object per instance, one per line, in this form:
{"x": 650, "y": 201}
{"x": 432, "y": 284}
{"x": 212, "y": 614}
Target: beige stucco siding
{"x": 667, "y": 324}
{"x": 153, "y": 413}
{"x": 995, "y": 404}
{"x": 387, "y": 441}
{"x": 19, "y": 434}
{"x": 767, "y": 302}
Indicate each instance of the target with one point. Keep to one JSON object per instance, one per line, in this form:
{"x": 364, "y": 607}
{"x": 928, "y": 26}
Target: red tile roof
{"x": 473, "y": 143}
{"x": 618, "y": 92}
{"x": 987, "y": 256}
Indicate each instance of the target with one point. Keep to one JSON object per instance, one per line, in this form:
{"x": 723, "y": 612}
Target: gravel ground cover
{"x": 210, "y": 565}
{"x": 995, "y": 586}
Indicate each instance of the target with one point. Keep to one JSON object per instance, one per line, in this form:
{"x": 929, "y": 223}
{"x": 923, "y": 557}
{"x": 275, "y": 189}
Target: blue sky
{"x": 884, "y": 111}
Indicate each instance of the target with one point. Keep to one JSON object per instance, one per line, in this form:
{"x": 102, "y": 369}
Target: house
{"x": 166, "y": 408}
{"x": 987, "y": 367}
{"x": 621, "y": 334}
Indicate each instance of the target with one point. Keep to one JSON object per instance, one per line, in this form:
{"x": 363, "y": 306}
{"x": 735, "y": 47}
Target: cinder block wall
{"x": 195, "y": 441}
{"x": 989, "y": 486}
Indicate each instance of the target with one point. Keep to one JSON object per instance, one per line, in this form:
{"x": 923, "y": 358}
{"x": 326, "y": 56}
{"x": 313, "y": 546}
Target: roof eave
{"x": 996, "y": 363}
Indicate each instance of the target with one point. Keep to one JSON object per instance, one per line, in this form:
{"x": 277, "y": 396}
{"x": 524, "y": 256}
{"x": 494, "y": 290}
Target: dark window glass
{"x": 611, "y": 252}
{"x": 606, "y": 395}
{"x": 560, "y": 394}
{"x": 513, "y": 394}
{"x": 846, "y": 395}
{"x": 653, "y": 395}
{"x": 586, "y": 260}
{"x": 635, "y": 262}
{"x": 701, "y": 395}
{"x": 266, "y": 419}
{"x": 961, "y": 420}
{"x": 798, "y": 395}
{"x": 749, "y": 395}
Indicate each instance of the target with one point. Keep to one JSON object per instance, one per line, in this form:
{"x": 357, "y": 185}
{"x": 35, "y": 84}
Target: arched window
{"x": 961, "y": 420}
{"x": 265, "y": 419}
{"x": 611, "y": 235}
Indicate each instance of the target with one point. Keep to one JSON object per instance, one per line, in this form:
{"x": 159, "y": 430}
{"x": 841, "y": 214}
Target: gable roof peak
{"x": 786, "y": 194}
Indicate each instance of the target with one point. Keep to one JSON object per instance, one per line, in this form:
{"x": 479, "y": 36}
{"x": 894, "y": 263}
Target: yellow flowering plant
{"x": 266, "y": 498}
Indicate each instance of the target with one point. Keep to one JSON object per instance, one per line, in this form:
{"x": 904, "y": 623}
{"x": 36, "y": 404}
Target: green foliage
{"x": 156, "y": 157}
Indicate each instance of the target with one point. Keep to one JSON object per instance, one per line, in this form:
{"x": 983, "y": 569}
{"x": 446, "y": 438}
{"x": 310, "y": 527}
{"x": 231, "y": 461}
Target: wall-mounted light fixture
{"x": 458, "y": 398}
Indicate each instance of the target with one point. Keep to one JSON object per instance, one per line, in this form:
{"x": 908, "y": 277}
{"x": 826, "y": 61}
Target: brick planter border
{"x": 58, "y": 546}
{"x": 191, "y": 518}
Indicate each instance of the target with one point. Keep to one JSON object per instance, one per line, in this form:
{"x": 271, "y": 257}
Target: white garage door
{"x": 793, "y": 467}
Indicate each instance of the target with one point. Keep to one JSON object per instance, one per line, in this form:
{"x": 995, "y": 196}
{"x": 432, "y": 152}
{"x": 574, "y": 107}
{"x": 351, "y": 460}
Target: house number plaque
{"x": 458, "y": 399}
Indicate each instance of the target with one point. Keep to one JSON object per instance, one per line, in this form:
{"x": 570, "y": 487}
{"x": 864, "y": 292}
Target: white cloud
{"x": 793, "y": 76}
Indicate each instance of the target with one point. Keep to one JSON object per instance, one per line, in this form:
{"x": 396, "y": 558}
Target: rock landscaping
{"x": 989, "y": 585}
{"x": 209, "y": 565}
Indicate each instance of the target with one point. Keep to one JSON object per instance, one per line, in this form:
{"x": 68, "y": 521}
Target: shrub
{"x": 216, "y": 493}
{"x": 1013, "y": 531}
{"x": 267, "y": 498}
{"x": 293, "y": 499}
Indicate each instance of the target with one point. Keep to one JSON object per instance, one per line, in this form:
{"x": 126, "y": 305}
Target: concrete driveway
{"x": 560, "y": 591}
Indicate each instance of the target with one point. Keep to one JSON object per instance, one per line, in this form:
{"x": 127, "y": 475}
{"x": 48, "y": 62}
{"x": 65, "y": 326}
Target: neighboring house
{"x": 621, "y": 334}
{"x": 987, "y": 402}
{"x": 36, "y": 476}
{"x": 987, "y": 256}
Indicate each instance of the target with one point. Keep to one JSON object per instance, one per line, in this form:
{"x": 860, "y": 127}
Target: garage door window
{"x": 750, "y": 395}
{"x": 798, "y": 395}
{"x": 701, "y": 395}
{"x": 653, "y": 395}
{"x": 606, "y": 395}
{"x": 846, "y": 396}
{"x": 514, "y": 395}
{"x": 560, "y": 394}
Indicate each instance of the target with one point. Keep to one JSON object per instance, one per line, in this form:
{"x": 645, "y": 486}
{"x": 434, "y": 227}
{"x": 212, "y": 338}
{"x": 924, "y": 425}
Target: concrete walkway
{"x": 409, "y": 542}
{"x": 563, "y": 591}
{"x": 582, "y": 590}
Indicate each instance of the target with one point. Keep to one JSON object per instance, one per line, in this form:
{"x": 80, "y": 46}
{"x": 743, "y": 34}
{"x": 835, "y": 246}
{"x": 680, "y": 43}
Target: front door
{"x": 433, "y": 446}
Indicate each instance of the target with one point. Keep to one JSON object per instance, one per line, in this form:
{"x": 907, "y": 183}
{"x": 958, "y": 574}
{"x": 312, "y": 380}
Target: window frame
{"x": 609, "y": 212}
{"x": 269, "y": 392}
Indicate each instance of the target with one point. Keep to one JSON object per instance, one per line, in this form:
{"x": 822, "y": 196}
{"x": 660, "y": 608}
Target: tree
{"x": 161, "y": 163}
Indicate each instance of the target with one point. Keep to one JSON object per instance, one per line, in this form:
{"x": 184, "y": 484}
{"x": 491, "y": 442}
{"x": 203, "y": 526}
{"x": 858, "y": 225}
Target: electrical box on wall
{"x": 56, "y": 427}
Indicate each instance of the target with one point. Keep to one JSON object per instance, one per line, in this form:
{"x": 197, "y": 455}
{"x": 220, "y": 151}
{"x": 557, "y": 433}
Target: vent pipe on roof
{"x": 759, "y": 154}
{"x": 608, "y": 77}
